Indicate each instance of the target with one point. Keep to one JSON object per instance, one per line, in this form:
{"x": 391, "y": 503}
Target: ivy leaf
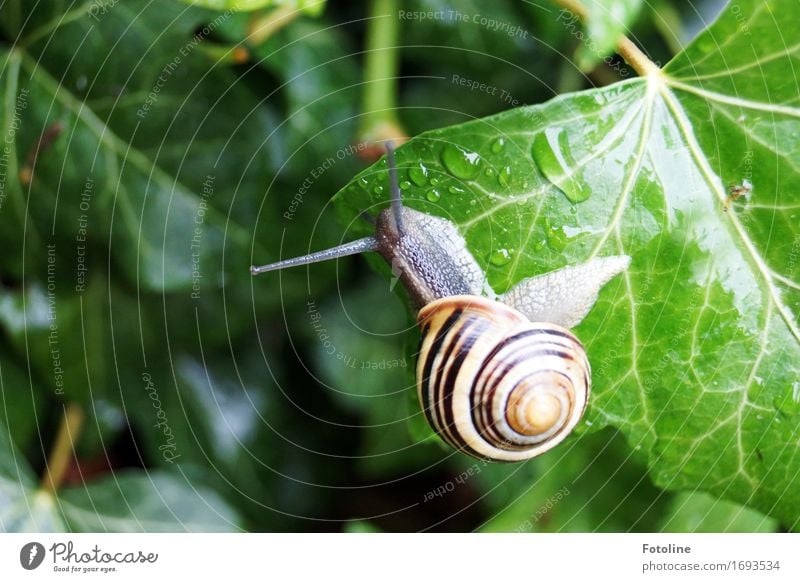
{"x": 702, "y": 513}
{"x": 696, "y": 349}
{"x": 131, "y": 181}
{"x": 128, "y": 501}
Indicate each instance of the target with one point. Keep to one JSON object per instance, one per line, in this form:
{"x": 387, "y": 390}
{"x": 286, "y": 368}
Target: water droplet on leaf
{"x": 498, "y": 145}
{"x": 500, "y": 257}
{"x": 405, "y": 185}
{"x": 433, "y": 195}
{"x": 557, "y": 239}
{"x": 419, "y": 175}
{"x": 377, "y": 190}
{"x": 552, "y": 154}
{"x": 504, "y": 177}
{"x": 460, "y": 162}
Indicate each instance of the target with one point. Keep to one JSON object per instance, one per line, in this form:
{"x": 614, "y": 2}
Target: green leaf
{"x": 696, "y": 349}
{"x": 148, "y": 192}
{"x": 126, "y": 501}
{"x": 311, "y": 7}
{"x": 588, "y": 486}
{"x": 139, "y": 501}
{"x": 702, "y": 513}
{"x": 19, "y": 407}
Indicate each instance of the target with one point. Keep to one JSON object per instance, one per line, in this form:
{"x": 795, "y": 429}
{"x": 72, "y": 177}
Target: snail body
{"x": 498, "y": 377}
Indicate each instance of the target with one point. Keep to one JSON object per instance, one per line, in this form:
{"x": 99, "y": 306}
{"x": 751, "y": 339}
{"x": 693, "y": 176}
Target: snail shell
{"x": 494, "y": 384}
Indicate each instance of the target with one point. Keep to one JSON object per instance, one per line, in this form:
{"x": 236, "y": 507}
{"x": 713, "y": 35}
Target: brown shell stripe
{"x": 524, "y": 348}
{"x": 442, "y": 363}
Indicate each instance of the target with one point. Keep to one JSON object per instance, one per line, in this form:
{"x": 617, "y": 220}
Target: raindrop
{"x": 419, "y": 175}
{"x": 377, "y": 190}
{"x": 363, "y": 182}
{"x": 552, "y": 154}
{"x": 405, "y": 185}
{"x": 498, "y": 145}
{"x": 455, "y": 190}
{"x": 500, "y": 257}
{"x": 490, "y": 172}
{"x": 504, "y": 177}
{"x": 462, "y": 163}
{"x": 434, "y": 181}
{"x": 557, "y": 239}
{"x": 433, "y": 195}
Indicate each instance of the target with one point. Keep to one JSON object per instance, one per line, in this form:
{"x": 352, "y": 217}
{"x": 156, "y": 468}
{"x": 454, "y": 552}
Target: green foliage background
{"x": 212, "y": 401}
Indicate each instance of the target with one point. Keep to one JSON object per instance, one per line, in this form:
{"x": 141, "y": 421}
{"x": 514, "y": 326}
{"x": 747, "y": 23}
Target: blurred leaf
{"x": 137, "y": 501}
{"x": 365, "y": 366}
{"x": 593, "y": 484}
{"x": 695, "y": 350}
{"x": 311, "y": 7}
{"x": 702, "y": 513}
{"x": 164, "y": 233}
{"x": 19, "y": 408}
{"x": 128, "y": 501}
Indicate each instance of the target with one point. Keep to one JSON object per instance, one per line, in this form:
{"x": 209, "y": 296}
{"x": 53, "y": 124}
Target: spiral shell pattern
{"x": 495, "y": 385}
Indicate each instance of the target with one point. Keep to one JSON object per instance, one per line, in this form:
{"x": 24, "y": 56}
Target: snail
{"x": 499, "y": 376}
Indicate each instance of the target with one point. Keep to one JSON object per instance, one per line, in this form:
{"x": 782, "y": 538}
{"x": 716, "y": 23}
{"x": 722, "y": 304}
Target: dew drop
{"x": 504, "y": 177}
{"x": 498, "y": 145}
{"x": 490, "y": 172}
{"x": 363, "y": 182}
{"x": 460, "y": 162}
{"x": 405, "y": 185}
{"x": 455, "y": 190}
{"x": 418, "y": 174}
{"x": 433, "y": 195}
{"x": 377, "y": 190}
{"x": 434, "y": 181}
{"x": 557, "y": 239}
{"x": 552, "y": 154}
{"x": 500, "y": 257}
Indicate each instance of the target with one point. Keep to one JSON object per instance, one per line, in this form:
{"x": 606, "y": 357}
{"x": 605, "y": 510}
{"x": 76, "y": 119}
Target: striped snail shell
{"x": 495, "y": 385}
{"x": 499, "y": 377}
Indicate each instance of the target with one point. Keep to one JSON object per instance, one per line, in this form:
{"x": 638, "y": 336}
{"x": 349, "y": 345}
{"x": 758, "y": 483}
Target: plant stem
{"x": 63, "y": 449}
{"x": 381, "y": 66}
{"x": 263, "y": 26}
{"x": 625, "y": 47}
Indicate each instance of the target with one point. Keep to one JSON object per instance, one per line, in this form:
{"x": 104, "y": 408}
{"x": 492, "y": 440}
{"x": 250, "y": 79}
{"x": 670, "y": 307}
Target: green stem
{"x": 667, "y": 21}
{"x": 381, "y": 68}
{"x": 625, "y": 47}
{"x": 63, "y": 450}
{"x": 263, "y": 26}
